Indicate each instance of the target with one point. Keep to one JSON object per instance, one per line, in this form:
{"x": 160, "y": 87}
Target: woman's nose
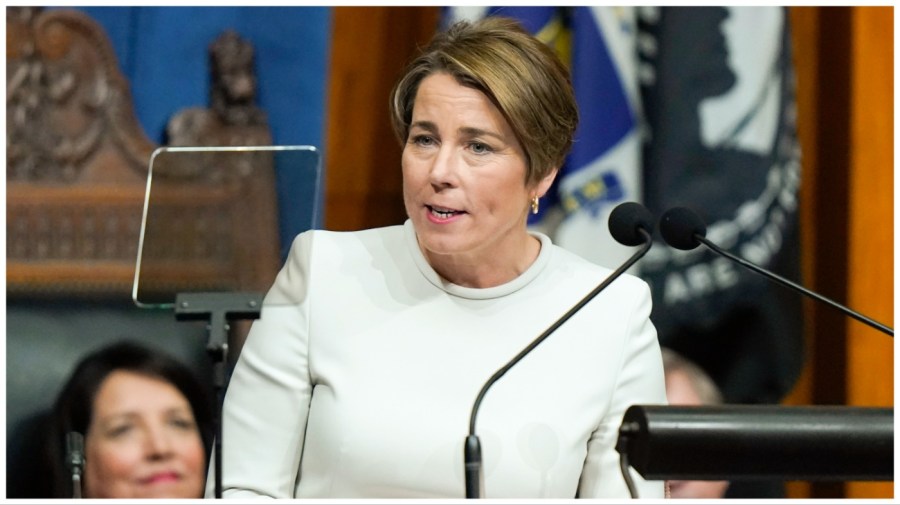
{"x": 159, "y": 443}
{"x": 444, "y": 166}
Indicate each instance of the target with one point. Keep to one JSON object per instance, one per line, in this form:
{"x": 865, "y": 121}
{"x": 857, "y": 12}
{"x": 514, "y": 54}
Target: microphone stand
{"x": 472, "y": 449}
{"x": 785, "y": 282}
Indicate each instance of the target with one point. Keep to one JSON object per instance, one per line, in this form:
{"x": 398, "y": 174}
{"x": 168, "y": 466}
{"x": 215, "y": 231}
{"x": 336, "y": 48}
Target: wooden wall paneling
{"x": 821, "y": 59}
{"x": 830, "y": 214}
{"x": 871, "y": 206}
{"x": 870, "y": 356}
{"x": 370, "y": 48}
{"x": 804, "y": 35}
{"x": 843, "y": 58}
{"x": 830, "y": 182}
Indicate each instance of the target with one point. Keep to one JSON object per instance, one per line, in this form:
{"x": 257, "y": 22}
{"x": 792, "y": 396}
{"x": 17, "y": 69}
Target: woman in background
{"x": 359, "y": 378}
{"x": 146, "y": 425}
{"x": 688, "y": 384}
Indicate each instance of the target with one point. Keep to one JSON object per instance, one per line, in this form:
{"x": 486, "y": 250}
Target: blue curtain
{"x": 162, "y": 51}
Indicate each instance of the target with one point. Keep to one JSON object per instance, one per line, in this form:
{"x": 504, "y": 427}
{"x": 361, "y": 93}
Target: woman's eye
{"x": 186, "y": 424}
{"x": 480, "y": 148}
{"x": 423, "y": 140}
{"x": 118, "y": 430}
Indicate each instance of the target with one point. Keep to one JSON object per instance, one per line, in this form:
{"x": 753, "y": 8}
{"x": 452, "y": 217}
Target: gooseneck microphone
{"x": 630, "y": 224}
{"x": 683, "y": 229}
{"x": 75, "y": 460}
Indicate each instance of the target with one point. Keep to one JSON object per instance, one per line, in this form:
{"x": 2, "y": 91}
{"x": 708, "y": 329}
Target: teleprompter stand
{"x": 201, "y": 199}
{"x": 217, "y": 309}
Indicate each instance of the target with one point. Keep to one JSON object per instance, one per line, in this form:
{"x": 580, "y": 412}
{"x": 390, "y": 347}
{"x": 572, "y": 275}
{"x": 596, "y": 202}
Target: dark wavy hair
{"x": 73, "y": 408}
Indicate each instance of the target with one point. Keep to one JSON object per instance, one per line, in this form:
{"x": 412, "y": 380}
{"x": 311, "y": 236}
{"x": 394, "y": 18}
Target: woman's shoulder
{"x": 348, "y": 239}
{"x": 593, "y": 272}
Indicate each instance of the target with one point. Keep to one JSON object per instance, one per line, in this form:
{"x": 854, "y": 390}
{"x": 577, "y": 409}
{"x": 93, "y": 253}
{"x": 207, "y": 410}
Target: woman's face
{"x": 142, "y": 442}
{"x": 464, "y": 175}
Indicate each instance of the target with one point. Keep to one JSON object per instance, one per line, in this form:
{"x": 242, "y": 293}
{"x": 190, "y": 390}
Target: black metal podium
{"x": 755, "y": 442}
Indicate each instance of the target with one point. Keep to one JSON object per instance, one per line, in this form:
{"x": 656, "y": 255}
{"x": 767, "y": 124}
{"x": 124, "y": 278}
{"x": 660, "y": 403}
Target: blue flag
{"x": 603, "y": 168}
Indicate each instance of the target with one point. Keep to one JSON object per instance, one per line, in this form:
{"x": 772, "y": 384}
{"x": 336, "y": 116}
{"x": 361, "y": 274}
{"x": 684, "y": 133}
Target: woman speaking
{"x": 359, "y": 378}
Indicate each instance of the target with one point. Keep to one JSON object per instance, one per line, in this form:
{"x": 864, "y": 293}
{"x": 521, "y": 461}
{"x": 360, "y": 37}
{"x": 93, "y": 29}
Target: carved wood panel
{"x": 77, "y": 164}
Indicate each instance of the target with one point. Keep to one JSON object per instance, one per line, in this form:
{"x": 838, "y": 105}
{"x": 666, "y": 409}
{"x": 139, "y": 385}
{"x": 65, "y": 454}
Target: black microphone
{"x": 630, "y": 224}
{"x": 75, "y": 460}
{"x": 683, "y": 229}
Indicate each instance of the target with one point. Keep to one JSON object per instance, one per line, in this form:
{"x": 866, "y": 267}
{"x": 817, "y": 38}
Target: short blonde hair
{"x": 520, "y": 74}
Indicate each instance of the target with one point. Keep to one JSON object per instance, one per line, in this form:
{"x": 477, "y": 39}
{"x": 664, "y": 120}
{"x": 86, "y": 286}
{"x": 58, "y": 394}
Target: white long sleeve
{"x": 358, "y": 380}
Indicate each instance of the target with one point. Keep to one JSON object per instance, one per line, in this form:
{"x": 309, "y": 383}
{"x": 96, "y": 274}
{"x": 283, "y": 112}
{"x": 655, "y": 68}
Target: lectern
{"x": 752, "y": 442}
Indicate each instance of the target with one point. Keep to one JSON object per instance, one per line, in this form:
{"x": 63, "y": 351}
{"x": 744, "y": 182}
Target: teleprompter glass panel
{"x": 211, "y": 218}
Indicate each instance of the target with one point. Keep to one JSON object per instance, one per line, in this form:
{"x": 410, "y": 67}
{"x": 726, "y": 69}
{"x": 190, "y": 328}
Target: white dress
{"x": 359, "y": 378}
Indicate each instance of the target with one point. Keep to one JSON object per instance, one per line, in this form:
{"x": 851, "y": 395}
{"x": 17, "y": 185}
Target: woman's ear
{"x": 544, "y": 184}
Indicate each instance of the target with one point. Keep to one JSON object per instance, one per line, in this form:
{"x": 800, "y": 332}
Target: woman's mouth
{"x": 442, "y": 213}
{"x": 161, "y": 477}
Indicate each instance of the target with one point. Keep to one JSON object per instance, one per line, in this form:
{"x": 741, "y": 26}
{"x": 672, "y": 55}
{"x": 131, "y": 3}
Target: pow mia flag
{"x": 720, "y": 137}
